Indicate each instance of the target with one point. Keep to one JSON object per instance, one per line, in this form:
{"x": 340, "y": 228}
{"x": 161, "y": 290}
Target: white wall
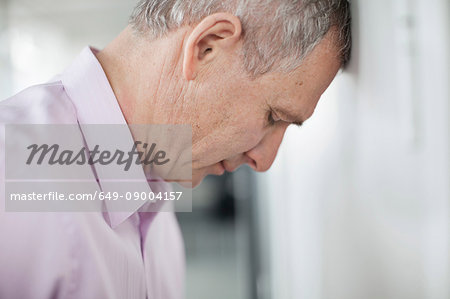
{"x": 357, "y": 204}
{"x": 45, "y": 36}
{"x": 5, "y": 65}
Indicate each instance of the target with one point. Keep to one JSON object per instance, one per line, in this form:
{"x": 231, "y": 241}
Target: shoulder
{"x": 40, "y": 104}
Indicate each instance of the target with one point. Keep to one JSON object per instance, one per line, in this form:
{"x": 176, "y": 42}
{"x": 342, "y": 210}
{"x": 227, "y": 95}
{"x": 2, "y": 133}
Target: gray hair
{"x": 277, "y": 34}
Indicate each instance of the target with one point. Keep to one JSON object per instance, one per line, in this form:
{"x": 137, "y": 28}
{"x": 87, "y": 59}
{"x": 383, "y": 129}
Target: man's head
{"x": 239, "y": 71}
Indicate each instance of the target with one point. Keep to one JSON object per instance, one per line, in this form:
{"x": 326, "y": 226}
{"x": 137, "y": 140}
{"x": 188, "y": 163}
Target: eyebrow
{"x": 295, "y": 120}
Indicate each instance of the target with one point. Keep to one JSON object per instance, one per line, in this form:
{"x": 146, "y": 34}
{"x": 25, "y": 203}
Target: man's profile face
{"x": 240, "y": 120}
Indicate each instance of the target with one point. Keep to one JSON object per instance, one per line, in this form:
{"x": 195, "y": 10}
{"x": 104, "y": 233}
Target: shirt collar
{"x": 87, "y": 86}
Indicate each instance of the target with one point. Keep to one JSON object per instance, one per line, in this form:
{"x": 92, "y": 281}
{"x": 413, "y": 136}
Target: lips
{"x": 220, "y": 170}
{"x": 226, "y": 167}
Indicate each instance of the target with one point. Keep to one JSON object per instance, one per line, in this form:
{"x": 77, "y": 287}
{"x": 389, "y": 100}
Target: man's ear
{"x": 215, "y": 33}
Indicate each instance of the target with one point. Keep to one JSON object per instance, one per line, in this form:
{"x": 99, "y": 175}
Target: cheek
{"x": 248, "y": 134}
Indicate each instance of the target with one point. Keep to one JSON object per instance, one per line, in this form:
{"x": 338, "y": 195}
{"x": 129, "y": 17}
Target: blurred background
{"x": 357, "y": 204}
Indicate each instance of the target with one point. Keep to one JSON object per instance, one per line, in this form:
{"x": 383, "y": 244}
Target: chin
{"x": 199, "y": 175}
{"x": 196, "y": 181}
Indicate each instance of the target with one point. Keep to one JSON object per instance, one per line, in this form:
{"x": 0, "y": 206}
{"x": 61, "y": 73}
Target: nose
{"x": 265, "y": 152}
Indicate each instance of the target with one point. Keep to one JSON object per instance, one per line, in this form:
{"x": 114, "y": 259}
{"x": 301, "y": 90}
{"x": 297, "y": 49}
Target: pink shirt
{"x": 122, "y": 255}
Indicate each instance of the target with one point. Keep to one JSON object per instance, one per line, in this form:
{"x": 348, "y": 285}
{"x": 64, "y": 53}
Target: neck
{"x": 145, "y": 75}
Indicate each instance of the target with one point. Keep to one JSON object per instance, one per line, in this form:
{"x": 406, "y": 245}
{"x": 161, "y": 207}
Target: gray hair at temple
{"x": 277, "y": 34}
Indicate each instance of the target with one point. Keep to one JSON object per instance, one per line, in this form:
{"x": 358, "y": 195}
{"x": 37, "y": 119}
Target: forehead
{"x": 301, "y": 89}
{"x": 319, "y": 68}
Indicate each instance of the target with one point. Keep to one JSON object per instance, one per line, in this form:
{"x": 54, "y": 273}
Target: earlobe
{"x": 217, "y": 31}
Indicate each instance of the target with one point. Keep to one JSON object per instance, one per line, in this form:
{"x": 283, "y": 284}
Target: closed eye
{"x": 287, "y": 117}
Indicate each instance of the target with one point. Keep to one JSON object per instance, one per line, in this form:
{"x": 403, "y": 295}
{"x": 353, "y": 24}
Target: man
{"x": 239, "y": 72}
